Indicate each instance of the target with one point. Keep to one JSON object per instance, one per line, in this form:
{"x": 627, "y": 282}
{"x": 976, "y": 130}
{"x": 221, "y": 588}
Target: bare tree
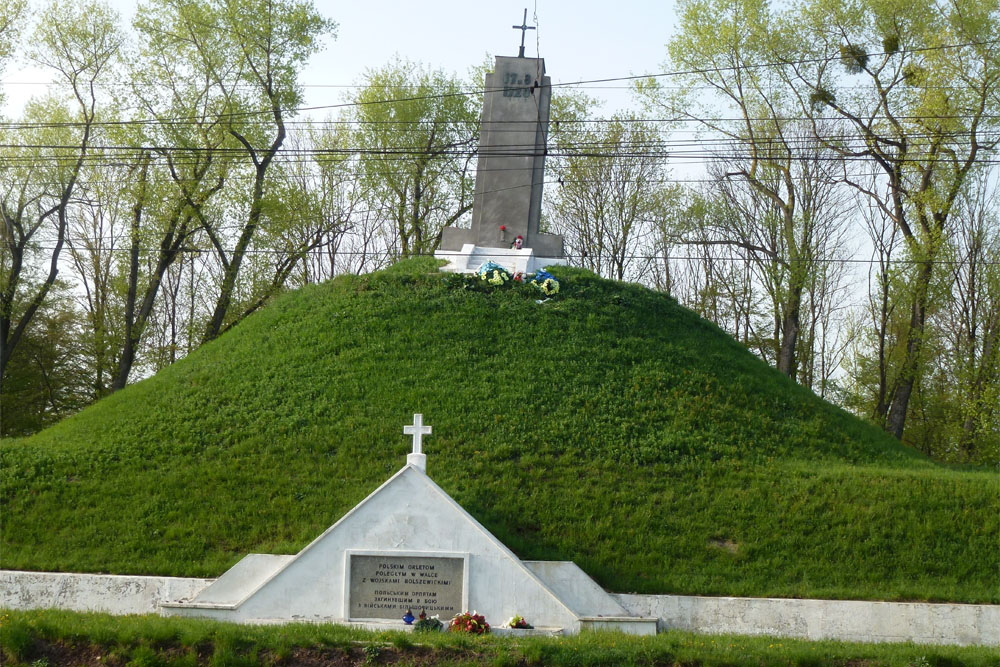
{"x": 610, "y": 195}
{"x": 975, "y": 318}
{"x": 96, "y": 235}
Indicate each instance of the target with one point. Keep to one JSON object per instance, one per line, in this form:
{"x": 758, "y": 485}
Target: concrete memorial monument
{"x": 408, "y": 548}
{"x": 510, "y": 172}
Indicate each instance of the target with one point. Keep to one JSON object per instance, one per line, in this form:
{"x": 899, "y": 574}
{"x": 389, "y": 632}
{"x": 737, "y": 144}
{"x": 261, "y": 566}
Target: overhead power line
{"x": 486, "y": 91}
{"x": 697, "y": 151}
{"x": 578, "y": 257}
{"x": 494, "y": 126}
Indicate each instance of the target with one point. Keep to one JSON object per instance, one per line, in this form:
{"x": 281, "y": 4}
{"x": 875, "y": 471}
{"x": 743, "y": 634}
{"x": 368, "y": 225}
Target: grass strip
{"x": 49, "y": 638}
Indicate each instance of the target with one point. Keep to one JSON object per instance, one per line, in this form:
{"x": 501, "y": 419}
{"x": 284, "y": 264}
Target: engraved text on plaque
{"x": 386, "y": 586}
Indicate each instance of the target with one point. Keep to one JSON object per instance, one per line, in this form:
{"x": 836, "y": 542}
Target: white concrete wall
{"x": 847, "y": 620}
{"x": 111, "y": 593}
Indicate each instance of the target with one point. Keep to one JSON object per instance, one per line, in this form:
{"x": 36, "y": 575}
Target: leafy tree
{"x": 173, "y": 184}
{"x": 79, "y": 42}
{"x": 915, "y": 91}
{"x": 264, "y": 43}
{"x": 956, "y": 402}
{"x": 48, "y": 376}
{"x": 12, "y": 14}
{"x": 415, "y": 134}
{"x": 249, "y": 52}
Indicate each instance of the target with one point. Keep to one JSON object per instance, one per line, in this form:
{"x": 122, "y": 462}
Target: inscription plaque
{"x": 385, "y": 586}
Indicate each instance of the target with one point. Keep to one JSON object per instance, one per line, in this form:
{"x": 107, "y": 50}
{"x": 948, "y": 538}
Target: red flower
{"x": 503, "y": 228}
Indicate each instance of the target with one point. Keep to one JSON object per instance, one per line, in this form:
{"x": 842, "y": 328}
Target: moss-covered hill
{"x": 608, "y": 426}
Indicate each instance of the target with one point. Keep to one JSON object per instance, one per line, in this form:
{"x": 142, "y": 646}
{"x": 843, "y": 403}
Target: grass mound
{"x": 606, "y": 425}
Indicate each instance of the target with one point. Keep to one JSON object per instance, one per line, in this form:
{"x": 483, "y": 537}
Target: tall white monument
{"x": 507, "y": 203}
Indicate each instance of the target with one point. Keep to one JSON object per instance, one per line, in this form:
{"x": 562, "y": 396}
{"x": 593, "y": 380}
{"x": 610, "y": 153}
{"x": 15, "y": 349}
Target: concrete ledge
{"x": 574, "y": 587}
{"x": 238, "y": 582}
{"x": 846, "y": 620}
{"x": 470, "y": 258}
{"x": 533, "y": 632}
{"x": 630, "y": 625}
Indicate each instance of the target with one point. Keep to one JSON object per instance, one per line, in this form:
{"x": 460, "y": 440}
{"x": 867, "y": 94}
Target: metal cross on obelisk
{"x": 523, "y": 27}
{"x": 418, "y": 431}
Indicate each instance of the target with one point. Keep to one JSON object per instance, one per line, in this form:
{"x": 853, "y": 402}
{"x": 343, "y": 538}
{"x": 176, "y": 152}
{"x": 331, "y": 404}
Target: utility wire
{"x": 494, "y": 125}
{"x": 578, "y": 257}
{"x": 485, "y": 91}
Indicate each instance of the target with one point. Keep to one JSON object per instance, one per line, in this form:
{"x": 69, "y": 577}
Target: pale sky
{"x": 579, "y": 40}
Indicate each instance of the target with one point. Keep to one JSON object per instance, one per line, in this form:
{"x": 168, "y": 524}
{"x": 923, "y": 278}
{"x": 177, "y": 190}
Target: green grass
{"x": 608, "y": 426}
{"x": 40, "y": 637}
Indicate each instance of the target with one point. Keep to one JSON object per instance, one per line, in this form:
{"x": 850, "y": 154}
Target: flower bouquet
{"x": 494, "y": 274}
{"x": 428, "y": 623}
{"x": 545, "y": 282}
{"x": 517, "y": 622}
{"x": 473, "y": 623}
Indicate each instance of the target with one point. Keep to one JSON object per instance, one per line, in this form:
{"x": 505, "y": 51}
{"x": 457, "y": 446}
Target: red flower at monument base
{"x": 503, "y": 228}
{"x": 473, "y": 623}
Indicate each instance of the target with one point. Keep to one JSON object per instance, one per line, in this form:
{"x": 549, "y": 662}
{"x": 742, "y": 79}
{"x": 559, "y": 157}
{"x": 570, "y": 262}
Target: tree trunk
{"x": 253, "y": 221}
{"x": 896, "y": 421}
{"x": 971, "y": 425}
{"x": 131, "y": 339}
{"x": 232, "y": 271}
{"x": 881, "y": 406}
{"x": 787, "y": 358}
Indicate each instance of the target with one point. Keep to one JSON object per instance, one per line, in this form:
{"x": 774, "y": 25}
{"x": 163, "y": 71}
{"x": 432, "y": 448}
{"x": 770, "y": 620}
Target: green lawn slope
{"x": 607, "y": 426}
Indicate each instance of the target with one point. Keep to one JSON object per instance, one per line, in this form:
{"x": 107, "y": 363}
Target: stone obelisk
{"x": 509, "y": 175}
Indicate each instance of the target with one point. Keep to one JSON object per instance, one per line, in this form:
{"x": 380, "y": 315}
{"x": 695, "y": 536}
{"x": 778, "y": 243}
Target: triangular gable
{"x": 406, "y": 513}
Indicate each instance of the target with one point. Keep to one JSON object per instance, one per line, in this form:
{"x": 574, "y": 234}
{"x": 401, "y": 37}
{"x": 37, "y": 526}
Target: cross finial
{"x": 418, "y": 431}
{"x": 523, "y": 27}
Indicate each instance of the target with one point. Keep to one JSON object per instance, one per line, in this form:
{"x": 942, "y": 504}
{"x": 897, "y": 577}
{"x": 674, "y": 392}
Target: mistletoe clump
{"x": 854, "y": 58}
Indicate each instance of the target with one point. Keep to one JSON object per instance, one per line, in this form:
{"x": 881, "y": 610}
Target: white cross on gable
{"x": 418, "y": 431}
